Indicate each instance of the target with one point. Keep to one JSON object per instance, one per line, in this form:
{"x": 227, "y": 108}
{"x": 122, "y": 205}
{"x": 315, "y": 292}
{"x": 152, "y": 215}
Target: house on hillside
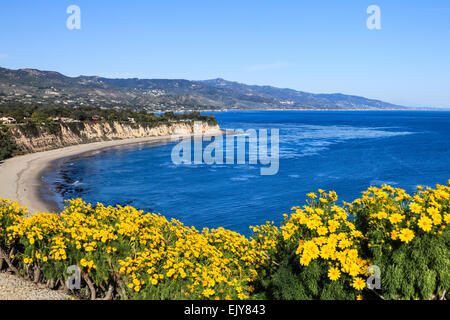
{"x": 96, "y": 118}
{"x": 63, "y": 119}
{"x": 7, "y": 120}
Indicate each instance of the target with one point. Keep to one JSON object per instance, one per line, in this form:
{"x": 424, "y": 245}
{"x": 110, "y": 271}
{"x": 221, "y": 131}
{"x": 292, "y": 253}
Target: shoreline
{"x": 54, "y": 166}
{"x": 441, "y": 109}
{"x": 21, "y": 176}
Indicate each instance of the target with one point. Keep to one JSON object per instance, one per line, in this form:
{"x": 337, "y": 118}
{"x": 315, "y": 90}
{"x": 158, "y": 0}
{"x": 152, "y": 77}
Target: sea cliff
{"x": 36, "y": 139}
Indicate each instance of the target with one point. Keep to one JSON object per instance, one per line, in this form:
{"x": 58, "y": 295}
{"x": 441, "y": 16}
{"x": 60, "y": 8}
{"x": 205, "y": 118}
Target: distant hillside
{"x": 32, "y": 86}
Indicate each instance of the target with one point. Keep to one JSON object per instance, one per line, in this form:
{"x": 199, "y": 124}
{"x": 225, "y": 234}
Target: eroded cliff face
{"x": 78, "y": 133}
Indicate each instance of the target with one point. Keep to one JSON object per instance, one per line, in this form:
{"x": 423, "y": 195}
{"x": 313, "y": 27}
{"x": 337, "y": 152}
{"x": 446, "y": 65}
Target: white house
{"x": 63, "y": 119}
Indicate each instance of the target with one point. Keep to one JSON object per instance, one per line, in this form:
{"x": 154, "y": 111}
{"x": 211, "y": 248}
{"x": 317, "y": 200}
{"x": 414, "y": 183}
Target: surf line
{"x": 190, "y": 149}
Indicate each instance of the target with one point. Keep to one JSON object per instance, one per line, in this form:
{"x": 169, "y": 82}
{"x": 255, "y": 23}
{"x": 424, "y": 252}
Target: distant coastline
{"x": 321, "y": 110}
{"x": 162, "y": 95}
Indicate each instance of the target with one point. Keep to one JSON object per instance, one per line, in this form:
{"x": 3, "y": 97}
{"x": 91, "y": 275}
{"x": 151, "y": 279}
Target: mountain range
{"x": 31, "y": 86}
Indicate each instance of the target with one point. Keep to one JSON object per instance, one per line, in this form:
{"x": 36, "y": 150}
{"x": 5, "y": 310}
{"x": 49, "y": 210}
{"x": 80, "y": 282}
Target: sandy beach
{"x": 21, "y": 176}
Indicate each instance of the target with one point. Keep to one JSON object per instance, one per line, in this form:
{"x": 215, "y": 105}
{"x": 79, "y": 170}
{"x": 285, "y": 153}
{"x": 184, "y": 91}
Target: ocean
{"x": 344, "y": 151}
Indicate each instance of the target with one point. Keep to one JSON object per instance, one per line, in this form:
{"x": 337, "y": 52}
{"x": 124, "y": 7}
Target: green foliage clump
{"x": 408, "y": 239}
{"x": 8, "y": 147}
{"x": 42, "y": 115}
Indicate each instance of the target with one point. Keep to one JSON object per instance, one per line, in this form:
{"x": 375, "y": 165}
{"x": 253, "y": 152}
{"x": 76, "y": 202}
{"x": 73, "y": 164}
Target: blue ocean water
{"x": 332, "y": 150}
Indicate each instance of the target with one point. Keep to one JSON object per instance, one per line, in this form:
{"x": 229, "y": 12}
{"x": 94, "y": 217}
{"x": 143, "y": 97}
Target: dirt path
{"x": 14, "y": 288}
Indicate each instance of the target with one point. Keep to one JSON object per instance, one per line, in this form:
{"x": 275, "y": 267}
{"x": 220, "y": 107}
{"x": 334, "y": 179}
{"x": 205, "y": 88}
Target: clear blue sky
{"x": 312, "y": 45}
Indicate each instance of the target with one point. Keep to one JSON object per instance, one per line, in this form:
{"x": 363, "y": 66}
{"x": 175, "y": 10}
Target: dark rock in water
{"x": 123, "y": 203}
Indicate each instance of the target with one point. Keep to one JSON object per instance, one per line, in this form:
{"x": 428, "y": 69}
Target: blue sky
{"x": 312, "y": 45}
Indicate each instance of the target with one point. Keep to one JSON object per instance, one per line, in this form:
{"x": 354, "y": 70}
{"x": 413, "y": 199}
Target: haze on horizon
{"x": 320, "y": 47}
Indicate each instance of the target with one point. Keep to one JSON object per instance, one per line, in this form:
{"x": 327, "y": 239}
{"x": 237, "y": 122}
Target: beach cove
{"x": 21, "y": 176}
